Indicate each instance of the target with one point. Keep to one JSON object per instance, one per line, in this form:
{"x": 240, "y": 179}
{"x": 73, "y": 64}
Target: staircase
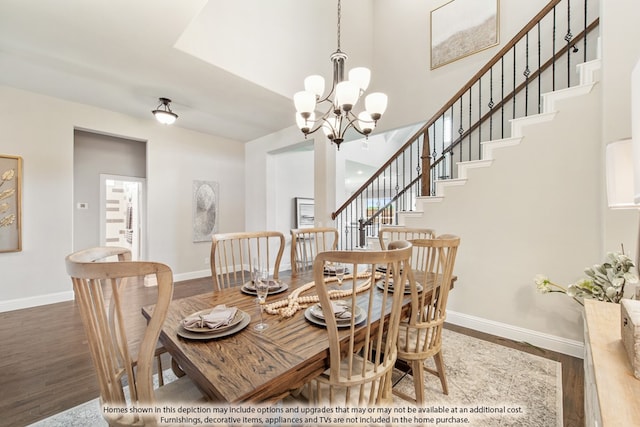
{"x": 588, "y": 73}
{"x": 533, "y": 204}
{"x": 532, "y": 72}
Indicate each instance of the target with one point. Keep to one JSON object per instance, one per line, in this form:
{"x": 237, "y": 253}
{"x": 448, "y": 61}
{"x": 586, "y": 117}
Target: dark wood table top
{"x": 250, "y": 365}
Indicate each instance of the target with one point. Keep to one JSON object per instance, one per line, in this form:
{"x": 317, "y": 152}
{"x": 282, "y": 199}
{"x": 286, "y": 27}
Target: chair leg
{"x": 417, "y": 370}
{"x": 441, "y": 372}
{"x": 160, "y": 375}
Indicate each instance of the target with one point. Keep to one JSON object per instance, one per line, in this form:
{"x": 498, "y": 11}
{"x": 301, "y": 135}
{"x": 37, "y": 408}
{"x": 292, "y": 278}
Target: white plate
{"x": 407, "y": 289}
{"x": 215, "y": 333}
{"x": 316, "y": 320}
{"x": 248, "y": 288}
{"x": 237, "y": 318}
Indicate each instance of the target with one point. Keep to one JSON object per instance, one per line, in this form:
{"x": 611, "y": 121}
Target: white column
{"x": 324, "y": 186}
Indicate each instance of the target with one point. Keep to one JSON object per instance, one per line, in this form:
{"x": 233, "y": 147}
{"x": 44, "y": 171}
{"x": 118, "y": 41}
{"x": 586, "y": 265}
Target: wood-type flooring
{"x": 46, "y": 367}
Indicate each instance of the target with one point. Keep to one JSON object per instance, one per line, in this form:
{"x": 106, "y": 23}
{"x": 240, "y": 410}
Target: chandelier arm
{"x": 318, "y": 122}
{"x": 352, "y": 119}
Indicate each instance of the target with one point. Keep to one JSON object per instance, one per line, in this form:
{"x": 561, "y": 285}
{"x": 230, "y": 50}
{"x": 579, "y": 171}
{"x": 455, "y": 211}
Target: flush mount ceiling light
{"x": 339, "y": 115}
{"x": 163, "y": 112}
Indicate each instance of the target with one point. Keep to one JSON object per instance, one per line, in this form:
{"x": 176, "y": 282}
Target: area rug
{"x": 492, "y": 385}
{"x": 489, "y": 385}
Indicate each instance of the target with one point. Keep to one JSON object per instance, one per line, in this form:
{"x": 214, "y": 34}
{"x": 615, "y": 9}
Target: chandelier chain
{"x": 339, "y": 13}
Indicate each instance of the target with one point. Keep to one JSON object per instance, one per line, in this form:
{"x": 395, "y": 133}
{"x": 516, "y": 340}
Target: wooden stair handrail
{"x": 424, "y": 129}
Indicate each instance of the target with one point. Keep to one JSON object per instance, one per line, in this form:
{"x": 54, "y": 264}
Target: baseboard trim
{"x": 191, "y": 275}
{"x": 535, "y": 338}
{"x": 21, "y": 303}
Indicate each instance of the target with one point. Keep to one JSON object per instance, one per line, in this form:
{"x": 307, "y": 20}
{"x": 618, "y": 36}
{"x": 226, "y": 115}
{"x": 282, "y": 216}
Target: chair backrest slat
{"x": 394, "y": 233}
{"x": 232, "y": 256}
{"x": 306, "y": 243}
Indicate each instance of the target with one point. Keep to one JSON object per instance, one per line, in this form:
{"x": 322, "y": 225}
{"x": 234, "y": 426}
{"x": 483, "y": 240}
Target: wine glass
{"x": 340, "y": 270}
{"x": 262, "y": 289}
{"x": 255, "y": 272}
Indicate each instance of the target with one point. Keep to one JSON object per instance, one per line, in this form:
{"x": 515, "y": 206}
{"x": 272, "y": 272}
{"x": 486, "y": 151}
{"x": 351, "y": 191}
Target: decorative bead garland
{"x": 294, "y": 302}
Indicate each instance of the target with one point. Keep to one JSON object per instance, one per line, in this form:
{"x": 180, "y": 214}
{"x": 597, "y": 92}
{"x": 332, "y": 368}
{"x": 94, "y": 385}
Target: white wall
{"x": 402, "y": 64}
{"x": 620, "y": 52}
{"x": 40, "y": 129}
{"x": 535, "y": 210}
{"x": 294, "y": 178}
{"x": 304, "y": 33}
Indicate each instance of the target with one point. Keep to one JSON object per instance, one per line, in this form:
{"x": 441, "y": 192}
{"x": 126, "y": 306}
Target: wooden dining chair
{"x": 306, "y": 243}
{"x": 362, "y": 353}
{"x": 232, "y": 256}
{"x": 393, "y": 233}
{"x": 420, "y": 335}
{"x": 120, "y": 361}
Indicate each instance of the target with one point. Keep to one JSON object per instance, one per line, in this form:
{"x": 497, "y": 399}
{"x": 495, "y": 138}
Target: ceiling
{"x": 209, "y": 57}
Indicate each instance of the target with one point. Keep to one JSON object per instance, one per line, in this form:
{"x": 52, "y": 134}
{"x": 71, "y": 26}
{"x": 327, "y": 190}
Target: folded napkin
{"x": 341, "y": 310}
{"x": 221, "y": 315}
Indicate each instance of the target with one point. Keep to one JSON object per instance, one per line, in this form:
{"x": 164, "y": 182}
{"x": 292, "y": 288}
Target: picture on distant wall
{"x": 305, "y": 212}
{"x": 205, "y": 210}
{"x": 460, "y": 28}
{"x": 10, "y": 216}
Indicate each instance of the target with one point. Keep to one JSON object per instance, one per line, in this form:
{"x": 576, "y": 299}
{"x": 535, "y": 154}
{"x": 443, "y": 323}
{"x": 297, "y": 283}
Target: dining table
{"x": 249, "y": 365}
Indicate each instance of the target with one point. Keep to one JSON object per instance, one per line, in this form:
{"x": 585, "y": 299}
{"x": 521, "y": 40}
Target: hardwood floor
{"x": 46, "y": 367}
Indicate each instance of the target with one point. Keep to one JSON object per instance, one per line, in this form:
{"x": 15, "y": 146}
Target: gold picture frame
{"x": 461, "y": 28}
{"x": 10, "y": 203}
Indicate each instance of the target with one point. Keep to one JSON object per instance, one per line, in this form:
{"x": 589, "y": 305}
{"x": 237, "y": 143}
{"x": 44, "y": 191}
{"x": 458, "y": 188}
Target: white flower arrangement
{"x": 604, "y": 282}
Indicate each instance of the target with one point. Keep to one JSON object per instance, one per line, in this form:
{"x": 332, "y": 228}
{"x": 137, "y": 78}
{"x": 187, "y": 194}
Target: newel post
{"x": 425, "y": 182}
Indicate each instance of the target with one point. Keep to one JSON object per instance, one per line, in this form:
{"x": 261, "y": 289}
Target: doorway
{"x": 120, "y": 160}
{"x": 122, "y": 202}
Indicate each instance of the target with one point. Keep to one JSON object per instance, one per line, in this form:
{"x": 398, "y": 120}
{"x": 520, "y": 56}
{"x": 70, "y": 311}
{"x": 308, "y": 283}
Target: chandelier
{"x": 163, "y": 112}
{"x": 339, "y": 102}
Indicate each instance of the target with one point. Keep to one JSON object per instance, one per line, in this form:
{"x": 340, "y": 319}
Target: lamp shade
{"x": 360, "y": 76}
{"x": 347, "y": 94}
{"x": 376, "y": 104}
{"x": 315, "y": 85}
{"x": 366, "y": 123}
{"x": 620, "y": 178}
{"x": 165, "y": 117}
{"x": 305, "y": 102}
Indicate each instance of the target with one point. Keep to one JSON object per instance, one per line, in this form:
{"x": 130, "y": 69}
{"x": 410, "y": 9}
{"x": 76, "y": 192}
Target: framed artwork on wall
{"x": 10, "y": 203}
{"x": 305, "y": 215}
{"x": 461, "y": 28}
{"x": 205, "y": 210}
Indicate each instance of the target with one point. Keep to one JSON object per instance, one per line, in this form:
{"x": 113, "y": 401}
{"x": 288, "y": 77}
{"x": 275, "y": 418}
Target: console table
{"x": 612, "y": 393}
